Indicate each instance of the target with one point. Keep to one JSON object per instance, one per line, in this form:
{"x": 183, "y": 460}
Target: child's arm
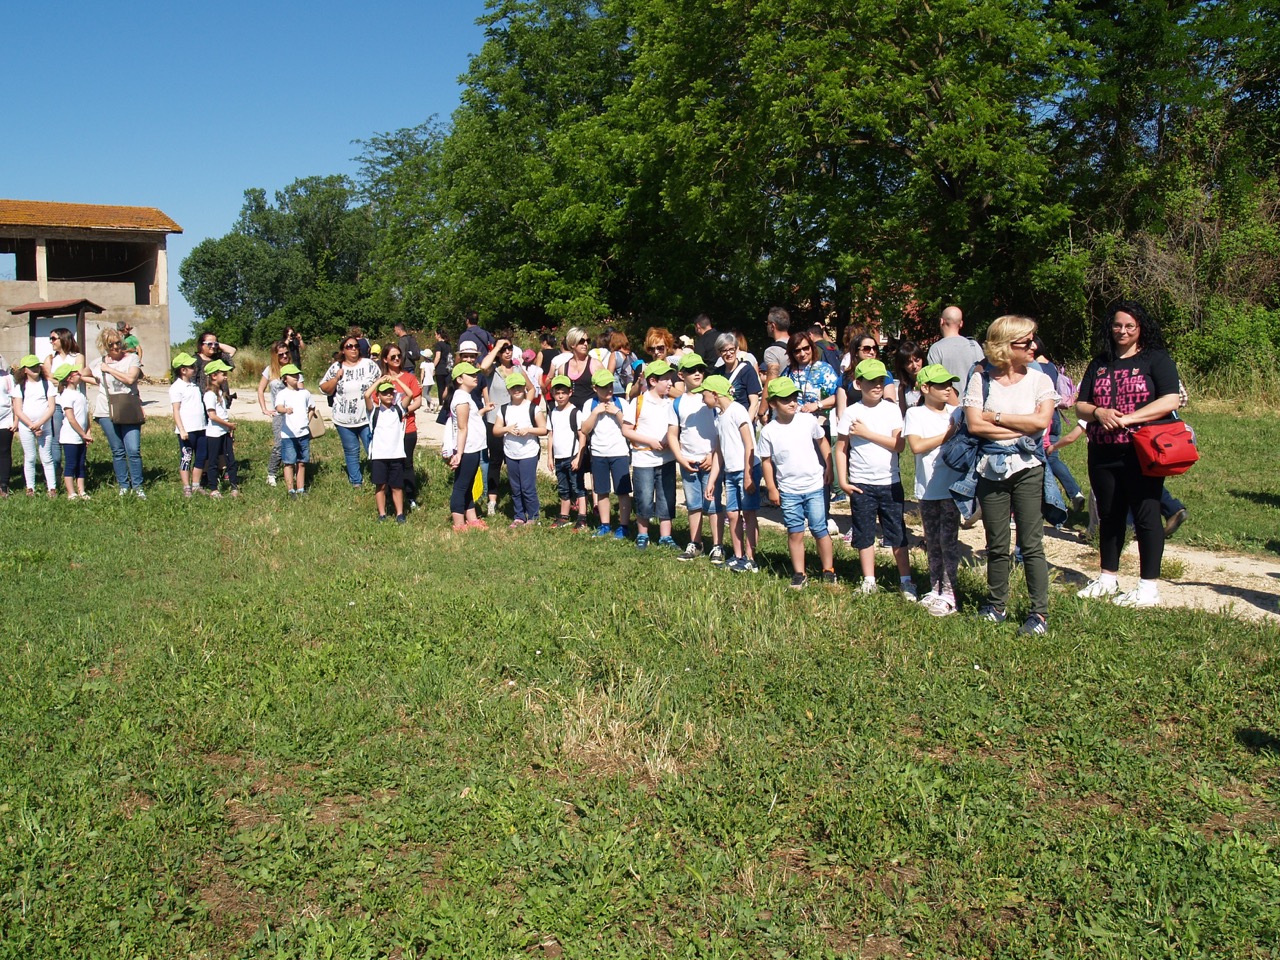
{"x": 713, "y": 473}
{"x": 281, "y": 408}
{"x": 540, "y": 428}
{"x": 462, "y": 418}
{"x": 823, "y": 446}
{"x": 919, "y": 444}
{"x": 177, "y": 419}
{"x": 75, "y": 425}
{"x": 892, "y": 442}
{"x": 770, "y": 486}
{"x": 748, "y": 454}
{"x": 1068, "y": 438}
{"x": 842, "y": 464}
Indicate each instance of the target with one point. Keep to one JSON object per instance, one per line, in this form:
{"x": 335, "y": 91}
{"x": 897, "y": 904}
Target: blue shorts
{"x": 797, "y": 508}
{"x": 736, "y": 498}
{"x": 295, "y": 450}
{"x": 695, "y": 491}
{"x": 568, "y": 480}
{"x": 388, "y": 473}
{"x": 611, "y": 475}
{"x": 884, "y": 502}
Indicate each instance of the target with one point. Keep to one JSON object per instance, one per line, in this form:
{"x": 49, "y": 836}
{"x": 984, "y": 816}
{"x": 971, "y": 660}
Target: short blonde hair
{"x": 1002, "y": 332}
{"x": 574, "y": 336}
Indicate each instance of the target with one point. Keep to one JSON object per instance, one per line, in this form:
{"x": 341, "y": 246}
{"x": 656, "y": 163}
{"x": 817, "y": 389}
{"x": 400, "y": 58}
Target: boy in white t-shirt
{"x": 74, "y": 432}
{"x": 386, "y": 447}
{"x": 691, "y": 435}
{"x": 564, "y": 454}
{"x": 927, "y": 427}
{"x": 867, "y": 447}
{"x": 189, "y": 421}
{"x": 795, "y": 455}
{"x": 610, "y": 456}
{"x": 294, "y": 405}
{"x": 653, "y": 465}
{"x": 220, "y": 431}
{"x": 736, "y": 459}
{"x": 521, "y": 425}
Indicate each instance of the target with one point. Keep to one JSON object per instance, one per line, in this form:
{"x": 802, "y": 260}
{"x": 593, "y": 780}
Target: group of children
{"x": 632, "y": 450}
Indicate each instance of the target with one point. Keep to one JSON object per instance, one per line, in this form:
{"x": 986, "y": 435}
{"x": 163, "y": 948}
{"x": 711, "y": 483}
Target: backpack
{"x": 1067, "y": 390}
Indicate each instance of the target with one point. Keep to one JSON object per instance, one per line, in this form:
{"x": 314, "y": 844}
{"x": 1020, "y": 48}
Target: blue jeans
{"x": 523, "y": 476}
{"x": 797, "y": 508}
{"x": 655, "y": 489}
{"x": 125, "y": 441}
{"x": 352, "y": 439}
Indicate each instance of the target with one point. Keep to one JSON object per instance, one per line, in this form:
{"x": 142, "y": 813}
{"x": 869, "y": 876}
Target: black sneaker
{"x": 991, "y": 615}
{"x": 799, "y": 581}
{"x": 1034, "y": 626}
{"x": 829, "y": 578}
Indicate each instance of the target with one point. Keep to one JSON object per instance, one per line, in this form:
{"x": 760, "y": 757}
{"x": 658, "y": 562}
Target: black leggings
{"x": 1122, "y": 489}
{"x": 496, "y": 459}
{"x": 460, "y": 499}
{"x": 410, "y": 477}
{"x": 221, "y": 447}
{"x": 6, "y": 458}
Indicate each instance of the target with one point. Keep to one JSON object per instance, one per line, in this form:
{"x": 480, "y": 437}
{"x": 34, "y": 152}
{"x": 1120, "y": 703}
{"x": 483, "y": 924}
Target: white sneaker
{"x": 909, "y": 591}
{"x": 271, "y": 480}
{"x": 868, "y": 586}
{"x": 929, "y": 597}
{"x": 1099, "y": 588}
{"x": 940, "y": 607}
{"x": 1137, "y": 598}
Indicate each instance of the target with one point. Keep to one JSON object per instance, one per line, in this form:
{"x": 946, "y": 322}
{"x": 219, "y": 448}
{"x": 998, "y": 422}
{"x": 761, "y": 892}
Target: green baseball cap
{"x": 718, "y": 385}
{"x": 691, "y": 360}
{"x": 561, "y": 381}
{"x": 290, "y": 370}
{"x": 870, "y": 370}
{"x": 935, "y": 373}
{"x": 30, "y": 360}
{"x": 385, "y": 387}
{"x": 782, "y": 387}
{"x": 216, "y": 366}
{"x": 657, "y": 368}
{"x": 516, "y": 380}
{"x": 183, "y": 360}
{"x": 602, "y": 378}
{"x": 464, "y": 368}
{"x": 62, "y": 371}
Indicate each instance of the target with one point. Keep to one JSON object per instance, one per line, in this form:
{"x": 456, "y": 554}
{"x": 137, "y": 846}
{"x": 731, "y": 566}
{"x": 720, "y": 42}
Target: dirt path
{"x": 1243, "y": 586}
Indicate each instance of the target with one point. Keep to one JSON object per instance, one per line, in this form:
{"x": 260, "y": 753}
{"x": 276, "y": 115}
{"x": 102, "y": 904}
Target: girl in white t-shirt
{"x": 927, "y": 427}
{"x": 74, "y": 432}
{"x": 34, "y": 400}
{"x": 189, "y": 422}
{"x": 294, "y": 405}
{"x": 468, "y": 425}
{"x": 220, "y": 432}
{"x": 521, "y": 425}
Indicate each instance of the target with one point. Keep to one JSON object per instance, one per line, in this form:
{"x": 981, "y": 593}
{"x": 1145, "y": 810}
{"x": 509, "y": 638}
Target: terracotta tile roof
{"x": 38, "y": 213}
{"x": 41, "y": 305}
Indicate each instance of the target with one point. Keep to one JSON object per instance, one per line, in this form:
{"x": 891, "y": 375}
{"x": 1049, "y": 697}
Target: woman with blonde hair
{"x": 1008, "y": 405}
{"x": 579, "y": 367}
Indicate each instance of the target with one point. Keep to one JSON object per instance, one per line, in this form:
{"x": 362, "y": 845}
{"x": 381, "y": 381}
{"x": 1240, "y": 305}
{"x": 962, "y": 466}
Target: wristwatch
{"x": 997, "y": 416}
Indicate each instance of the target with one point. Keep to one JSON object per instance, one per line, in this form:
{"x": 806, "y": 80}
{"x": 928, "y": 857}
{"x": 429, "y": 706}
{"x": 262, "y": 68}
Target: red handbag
{"x": 1165, "y": 449}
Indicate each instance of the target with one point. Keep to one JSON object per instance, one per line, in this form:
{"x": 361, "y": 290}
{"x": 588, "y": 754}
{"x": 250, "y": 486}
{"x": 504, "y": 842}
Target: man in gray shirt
{"x": 778, "y": 326}
{"x": 957, "y": 353}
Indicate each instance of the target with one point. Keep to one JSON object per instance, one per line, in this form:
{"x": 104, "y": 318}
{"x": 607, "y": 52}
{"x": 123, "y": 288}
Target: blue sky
{"x": 184, "y": 106}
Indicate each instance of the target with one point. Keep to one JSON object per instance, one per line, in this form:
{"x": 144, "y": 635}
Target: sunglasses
{"x": 393, "y": 356}
{"x": 804, "y": 348}
{"x": 867, "y": 348}
{"x": 351, "y": 346}
{"x": 1022, "y": 344}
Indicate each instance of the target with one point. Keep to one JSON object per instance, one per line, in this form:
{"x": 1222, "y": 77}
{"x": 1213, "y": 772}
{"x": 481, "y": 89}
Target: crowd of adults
{"x": 1015, "y": 404}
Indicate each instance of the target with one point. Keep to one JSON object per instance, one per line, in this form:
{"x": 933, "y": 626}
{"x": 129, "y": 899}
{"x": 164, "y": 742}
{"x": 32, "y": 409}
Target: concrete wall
{"x": 151, "y": 323}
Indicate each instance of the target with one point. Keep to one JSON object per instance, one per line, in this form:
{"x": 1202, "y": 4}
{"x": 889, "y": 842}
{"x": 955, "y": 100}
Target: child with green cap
{"x": 189, "y": 422}
{"x": 795, "y": 455}
{"x": 653, "y": 465}
{"x": 927, "y": 427}
{"x": 521, "y": 426}
{"x": 867, "y": 447}
{"x": 691, "y": 436}
{"x": 610, "y": 458}
{"x": 386, "y": 447}
{"x": 564, "y": 453}
{"x": 294, "y": 405}
{"x": 220, "y": 432}
{"x": 34, "y": 400}
{"x": 74, "y": 433}
{"x": 735, "y": 458}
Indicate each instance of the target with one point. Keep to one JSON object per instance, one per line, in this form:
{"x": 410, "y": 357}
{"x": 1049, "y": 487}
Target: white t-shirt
{"x": 869, "y": 462}
{"x": 696, "y": 423}
{"x": 109, "y": 384}
{"x": 74, "y": 405}
{"x": 925, "y": 423}
{"x": 348, "y": 397}
{"x": 797, "y": 467}
{"x": 652, "y": 422}
{"x": 387, "y": 439}
{"x": 729, "y": 435}
{"x": 274, "y": 386}
{"x": 1021, "y": 398}
{"x": 186, "y": 394}
{"x": 35, "y": 399}
{"x": 476, "y": 440}
{"x": 563, "y": 437}
{"x": 298, "y": 423}
{"x": 520, "y": 448}
{"x": 214, "y": 403}
{"x": 534, "y": 373}
{"x": 606, "y": 437}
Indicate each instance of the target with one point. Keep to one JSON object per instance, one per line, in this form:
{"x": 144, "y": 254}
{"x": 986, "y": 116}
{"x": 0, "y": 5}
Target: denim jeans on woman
{"x": 125, "y": 441}
{"x": 352, "y": 439}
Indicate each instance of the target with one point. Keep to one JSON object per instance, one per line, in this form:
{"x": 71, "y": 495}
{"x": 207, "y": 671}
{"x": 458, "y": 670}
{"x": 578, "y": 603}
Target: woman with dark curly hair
{"x": 1132, "y": 381}
{"x": 908, "y": 361}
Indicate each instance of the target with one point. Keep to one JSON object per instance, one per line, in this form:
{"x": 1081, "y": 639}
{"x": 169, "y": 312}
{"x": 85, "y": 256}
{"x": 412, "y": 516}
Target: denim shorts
{"x": 294, "y": 450}
{"x": 611, "y": 475}
{"x": 695, "y": 491}
{"x": 797, "y": 508}
{"x": 885, "y": 502}
{"x": 568, "y": 480}
{"x": 655, "y": 489}
{"x": 736, "y": 498}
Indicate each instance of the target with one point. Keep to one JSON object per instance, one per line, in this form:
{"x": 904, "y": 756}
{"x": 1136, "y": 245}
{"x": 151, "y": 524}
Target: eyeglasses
{"x": 1022, "y": 344}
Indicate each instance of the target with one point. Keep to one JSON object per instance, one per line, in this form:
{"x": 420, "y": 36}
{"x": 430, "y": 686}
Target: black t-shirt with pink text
{"x": 1125, "y": 385}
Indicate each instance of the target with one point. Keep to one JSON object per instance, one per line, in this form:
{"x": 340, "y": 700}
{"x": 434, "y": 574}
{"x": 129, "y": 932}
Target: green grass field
{"x": 263, "y": 729}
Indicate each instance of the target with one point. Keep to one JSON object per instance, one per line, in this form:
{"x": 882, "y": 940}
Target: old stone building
{"x": 60, "y": 255}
